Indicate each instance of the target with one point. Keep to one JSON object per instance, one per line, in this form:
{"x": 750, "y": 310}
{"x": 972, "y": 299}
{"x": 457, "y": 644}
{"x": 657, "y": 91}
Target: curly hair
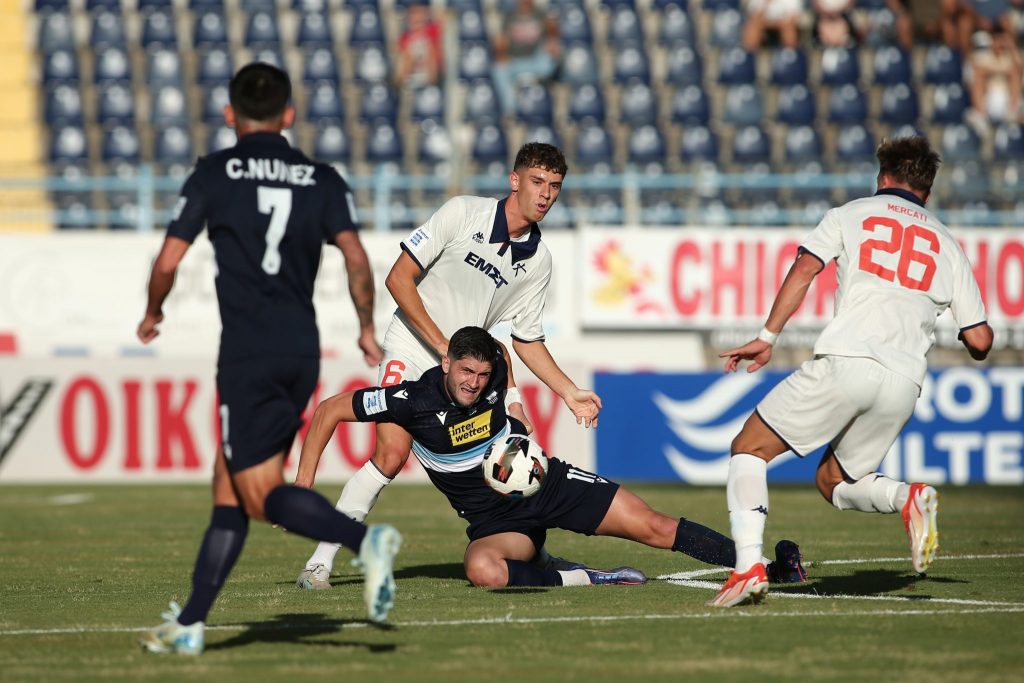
{"x": 541, "y": 155}
{"x": 909, "y": 160}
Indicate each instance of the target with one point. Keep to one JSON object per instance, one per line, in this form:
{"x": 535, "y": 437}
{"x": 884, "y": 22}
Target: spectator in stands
{"x": 994, "y": 73}
{"x": 832, "y": 24}
{"x": 420, "y": 55}
{"x": 779, "y": 16}
{"x": 895, "y": 23}
{"x": 526, "y": 48}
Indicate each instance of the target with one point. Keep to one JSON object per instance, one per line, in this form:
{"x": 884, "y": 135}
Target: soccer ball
{"x": 515, "y": 466}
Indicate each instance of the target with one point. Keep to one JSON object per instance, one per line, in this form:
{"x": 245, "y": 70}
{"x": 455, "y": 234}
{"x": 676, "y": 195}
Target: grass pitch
{"x": 83, "y": 569}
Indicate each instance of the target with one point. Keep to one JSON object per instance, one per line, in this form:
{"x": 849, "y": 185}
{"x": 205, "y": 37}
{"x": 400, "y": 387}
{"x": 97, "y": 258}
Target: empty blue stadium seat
{"x": 158, "y": 29}
{"x": 610, "y": 4}
{"x": 543, "y": 133}
{"x": 1009, "y": 181}
{"x": 736, "y": 66}
{"x": 472, "y": 27}
{"x": 69, "y": 144}
{"x": 163, "y": 65}
{"x": 689, "y": 106}
{"x": 726, "y": 29}
{"x": 600, "y": 207}
{"x": 168, "y": 106}
{"x": 427, "y": 104}
{"x": 474, "y": 61}
{"x": 684, "y": 66}
{"x": 789, "y": 66}
{"x": 638, "y": 104}
{"x": 743, "y": 105}
{"x": 56, "y": 32}
{"x": 796, "y": 105}
{"x": 366, "y": 27}
{"x": 172, "y": 144}
{"x": 534, "y": 105}
{"x": 574, "y": 24}
{"x": 115, "y": 105}
{"x": 942, "y": 64}
{"x": 384, "y": 144}
{"x": 378, "y": 103}
{"x": 624, "y": 26}
{"x": 331, "y": 143}
{"x": 145, "y": 6}
{"x": 646, "y": 146}
{"x": 801, "y": 144}
{"x": 594, "y": 146}
{"x": 586, "y": 102}
{"x": 490, "y": 145}
{"x": 324, "y": 102}
{"x": 854, "y": 144}
{"x": 209, "y": 28}
{"x": 676, "y": 27}
{"x": 371, "y": 65}
{"x": 891, "y": 65}
{"x": 60, "y": 66}
{"x": 202, "y": 5}
{"x": 720, "y": 5}
{"x": 949, "y": 103}
{"x": 630, "y": 63}
{"x": 899, "y": 105}
{"x": 579, "y": 64}
{"x": 261, "y": 29}
{"x": 699, "y": 143}
{"x": 481, "y": 102}
{"x": 847, "y": 104}
{"x": 268, "y": 54}
{"x": 219, "y": 137}
{"x": 43, "y": 6}
{"x": 214, "y": 66}
{"x": 435, "y": 144}
{"x": 966, "y": 182}
{"x": 107, "y": 31}
{"x": 250, "y": 6}
{"x": 806, "y": 182}
{"x": 63, "y": 106}
{"x": 1008, "y": 142}
{"x": 839, "y": 66}
{"x": 120, "y": 143}
{"x": 214, "y": 101}
{"x": 319, "y": 64}
{"x": 112, "y": 64}
{"x": 95, "y": 6}
{"x": 464, "y": 5}
{"x": 314, "y": 31}
{"x": 750, "y": 145}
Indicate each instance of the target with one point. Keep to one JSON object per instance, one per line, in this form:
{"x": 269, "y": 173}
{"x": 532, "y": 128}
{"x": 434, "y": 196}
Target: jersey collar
{"x": 499, "y": 234}
{"x": 263, "y": 138}
{"x": 902, "y": 194}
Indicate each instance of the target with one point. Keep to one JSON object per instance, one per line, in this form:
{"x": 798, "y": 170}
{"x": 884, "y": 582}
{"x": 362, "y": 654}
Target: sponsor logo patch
{"x": 418, "y": 237}
{"x": 471, "y": 430}
{"x": 374, "y": 402}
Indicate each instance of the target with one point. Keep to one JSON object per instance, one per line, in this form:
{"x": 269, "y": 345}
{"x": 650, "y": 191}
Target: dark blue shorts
{"x": 261, "y": 404}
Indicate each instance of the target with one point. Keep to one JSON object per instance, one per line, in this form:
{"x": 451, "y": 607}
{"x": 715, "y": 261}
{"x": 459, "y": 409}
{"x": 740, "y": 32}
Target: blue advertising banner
{"x": 966, "y": 427}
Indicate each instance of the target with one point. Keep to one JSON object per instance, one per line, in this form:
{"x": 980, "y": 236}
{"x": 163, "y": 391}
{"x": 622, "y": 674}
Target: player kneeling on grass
{"x": 453, "y": 413}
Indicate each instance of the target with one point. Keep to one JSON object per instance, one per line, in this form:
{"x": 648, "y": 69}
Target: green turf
{"x": 78, "y": 579}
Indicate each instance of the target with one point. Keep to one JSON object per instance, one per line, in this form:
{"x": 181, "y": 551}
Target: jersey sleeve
{"x": 190, "y": 212}
{"x": 528, "y": 323}
{"x": 379, "y": 404}
{"x": 966, "y": 305}
{"x": 339, "y": 204}
{"x": 427, "y": 242}
{"x": 826, "y": 241}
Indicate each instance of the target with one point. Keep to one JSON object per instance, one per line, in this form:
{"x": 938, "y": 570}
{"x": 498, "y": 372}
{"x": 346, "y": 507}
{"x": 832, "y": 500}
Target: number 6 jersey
{"x": 898, "y": 269}
{"x": 268, "y": 210}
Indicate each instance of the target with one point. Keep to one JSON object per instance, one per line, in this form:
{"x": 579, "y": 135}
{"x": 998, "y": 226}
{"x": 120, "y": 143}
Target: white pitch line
{"x": 510, "y": 620}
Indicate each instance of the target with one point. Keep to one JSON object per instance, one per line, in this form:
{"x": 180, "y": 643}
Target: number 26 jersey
{"x": 898, "y": 269}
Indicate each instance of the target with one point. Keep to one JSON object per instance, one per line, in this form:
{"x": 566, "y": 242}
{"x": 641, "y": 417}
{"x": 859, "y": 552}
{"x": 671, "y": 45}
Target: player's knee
{"x": 661, "y": 530}
{"x": 484, "y": 572}
{"x": 825, "y": 485}
{"x": 390, "y": 458}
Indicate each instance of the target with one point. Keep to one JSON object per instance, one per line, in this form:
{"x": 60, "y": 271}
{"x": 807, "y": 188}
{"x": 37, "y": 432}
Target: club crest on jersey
{"x": 492, "y": 397}
{"x": 487, "y": 269}
{"x": 471, "y": 430}
{"x": 478, "y": 238}
{"x": 516, "y": 267}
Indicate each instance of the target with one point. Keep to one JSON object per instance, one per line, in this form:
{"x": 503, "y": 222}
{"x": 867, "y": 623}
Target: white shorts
{"x": 406, "y": 358}
{"x": 776, "y": 10}
{"x": 855, "y": 404}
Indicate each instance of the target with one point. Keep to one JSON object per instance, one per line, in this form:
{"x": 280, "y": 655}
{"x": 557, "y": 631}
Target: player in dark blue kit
{"x": 268, "y": 210}
{"x": 454, "y": 412}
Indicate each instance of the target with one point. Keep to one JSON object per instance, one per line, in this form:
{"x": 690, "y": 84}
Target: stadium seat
{"x": 899, "y": 105}
{"x": 146, "y": 6}
{"x": 610, "y": 4}
{"x": 586, "y": 102}
{"x": 965, "y": 182}
{"x": 56, "y": 32}
{"x": 60, "y": 66}
{"x": 796, "y": 105}
{"x": 624, "y": 26}
{"x": 219, "y": 137}
{"x": 839, "y": 66}
{"x": 638, "y": 104}
{"x": 435, "y": 144}
{"x": 854, "y": 144}
{"x": 891, "y": 66}
{"x": 371, "y": 63}
{"x": 474, "y": 61}
{"x": 112, "y": 65}
{"x": 214, "y": 101}
{"x": 168, "y": 106}
{"x": 47, "y": 6}
{"x": 490, "y": 146}
{"x": 630, "y": 63}
{"x": 684, "y": 67}
{"x": 801, "y": 144}
{"x": 574, "y": 24}
{"x": 203, "y": 5}
{"x": 699, "y": 143}
{"x": 481, "y": 103}
{"x": 319, "y": 64}
{"x": 261, "y": 29}
{"x": 120, "y": 143}
{"x": 689, "y": 106}
{"x": 579, "y": 65}
{"x": 384, "y": 144}
{"x": 543, "y": 133}
{"x": 163, "y": 66}
{"x": 942, "y": 64}
{"x": 472, "y": 27}
{"x": 268, "y": 54}
{"x": 807, "y": 183}
{"x": 847, "y": 104}
{"x": 676, "y": 27}
{"x": 366, "y": 27}
{"x": 720, "y": 5}
{"x": 736, "y": 66}
{"x": 789, "y": 66}
{"x": 465, "y": 5}
{"x": 314, "y": 31}
{"x": 250, "y": 6}
{"x": 949, "y": 103}
{"x": 209, "y": 29}
{"x": 324, "y": 102}
{"x": 331, "y": 143}
{"x": 63, "y": 106}
{"x": 600, "y": 207}
{"x": 646, "y": 146}
{"x": 172, "y": 145}
{"x": 594, "y": 146}
{"x": 96, "y": 6}
{"x": 726, "y": 29}
{"x": 534, "y": 105}
{"x": 427, "y": 104}
{"x": 115, "y": 105}
{"x": 158, "y": 29}
{"x": 107, "y": 31}
{"x": 750, "y": 145}
{"x": 743, "y": 105}
{"x": 378, "y": 103}
{"x": 214, "y": 66}
{"x": 1008, "y": 142}
{"x": 69, "y": 144}
{"x": 1009, "y": 182}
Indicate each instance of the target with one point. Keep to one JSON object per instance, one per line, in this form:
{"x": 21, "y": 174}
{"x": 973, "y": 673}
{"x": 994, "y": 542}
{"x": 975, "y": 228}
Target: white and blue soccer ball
{"x": 515, "y": 466}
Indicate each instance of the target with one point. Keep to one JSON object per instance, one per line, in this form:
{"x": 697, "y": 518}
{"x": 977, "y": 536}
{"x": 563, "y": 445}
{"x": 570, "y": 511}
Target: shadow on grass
{"x": 868, "y": 582}
{"x": 449, "y": 570}
{"x": 302, "y": 629}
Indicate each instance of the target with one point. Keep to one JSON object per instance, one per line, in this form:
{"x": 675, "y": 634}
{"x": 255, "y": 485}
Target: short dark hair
{"x": 541, "y": 155}
{"x": 473, "y": 342}
{"x": 260, "y": 92}
{"x": 909, "y": 160}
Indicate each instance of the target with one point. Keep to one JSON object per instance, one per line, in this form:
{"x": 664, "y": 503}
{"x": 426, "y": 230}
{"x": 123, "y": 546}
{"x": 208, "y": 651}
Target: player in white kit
{"x": 477, "y": 261}
{"x": 898, "y": 269}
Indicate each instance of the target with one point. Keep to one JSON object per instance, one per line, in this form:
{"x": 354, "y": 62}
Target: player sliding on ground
{"x": 898, "y": 269}
{"x": 454, "y": 412}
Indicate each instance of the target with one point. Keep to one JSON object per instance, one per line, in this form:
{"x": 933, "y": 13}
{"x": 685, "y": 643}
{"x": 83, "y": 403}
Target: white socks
{"x": 575, "y": 577}
{"x": 873, "y": 493}
{"x": 746, "y": 492}
{"x": 357, "y": 499}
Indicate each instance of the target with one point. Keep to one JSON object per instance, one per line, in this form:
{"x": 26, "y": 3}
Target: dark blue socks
{"x": 217, "y": 555}
{"x": 525, "y": 574}
{"x": 306, "y": 513}
{"x": 704, "y": 544}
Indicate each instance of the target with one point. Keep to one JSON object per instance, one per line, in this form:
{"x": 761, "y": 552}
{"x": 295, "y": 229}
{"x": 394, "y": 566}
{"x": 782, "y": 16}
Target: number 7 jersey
{"x": 268, "y": 210}
{"x": 898, "y": 270}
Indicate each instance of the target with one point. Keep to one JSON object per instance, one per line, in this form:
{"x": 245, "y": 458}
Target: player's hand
{"x": 517, "y": 411}
{"x": 757, "y": 351}
{"x": 585, "y": 405}
{"x": 372, "y": 353}
{"x": 147, "y": 330}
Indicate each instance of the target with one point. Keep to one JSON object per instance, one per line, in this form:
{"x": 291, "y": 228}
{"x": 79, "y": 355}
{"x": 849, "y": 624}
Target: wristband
{"x": 512, "y": 396}
{"x": 767, "y": 336}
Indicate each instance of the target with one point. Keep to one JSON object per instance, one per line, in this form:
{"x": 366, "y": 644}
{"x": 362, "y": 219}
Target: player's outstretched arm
{"x": 584, "y": 403}
{"x": 161, "y": 281}
{"x": 401, "y": 282}
{"x": 360, "y": 288}
{"x": 325, "y": 418}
